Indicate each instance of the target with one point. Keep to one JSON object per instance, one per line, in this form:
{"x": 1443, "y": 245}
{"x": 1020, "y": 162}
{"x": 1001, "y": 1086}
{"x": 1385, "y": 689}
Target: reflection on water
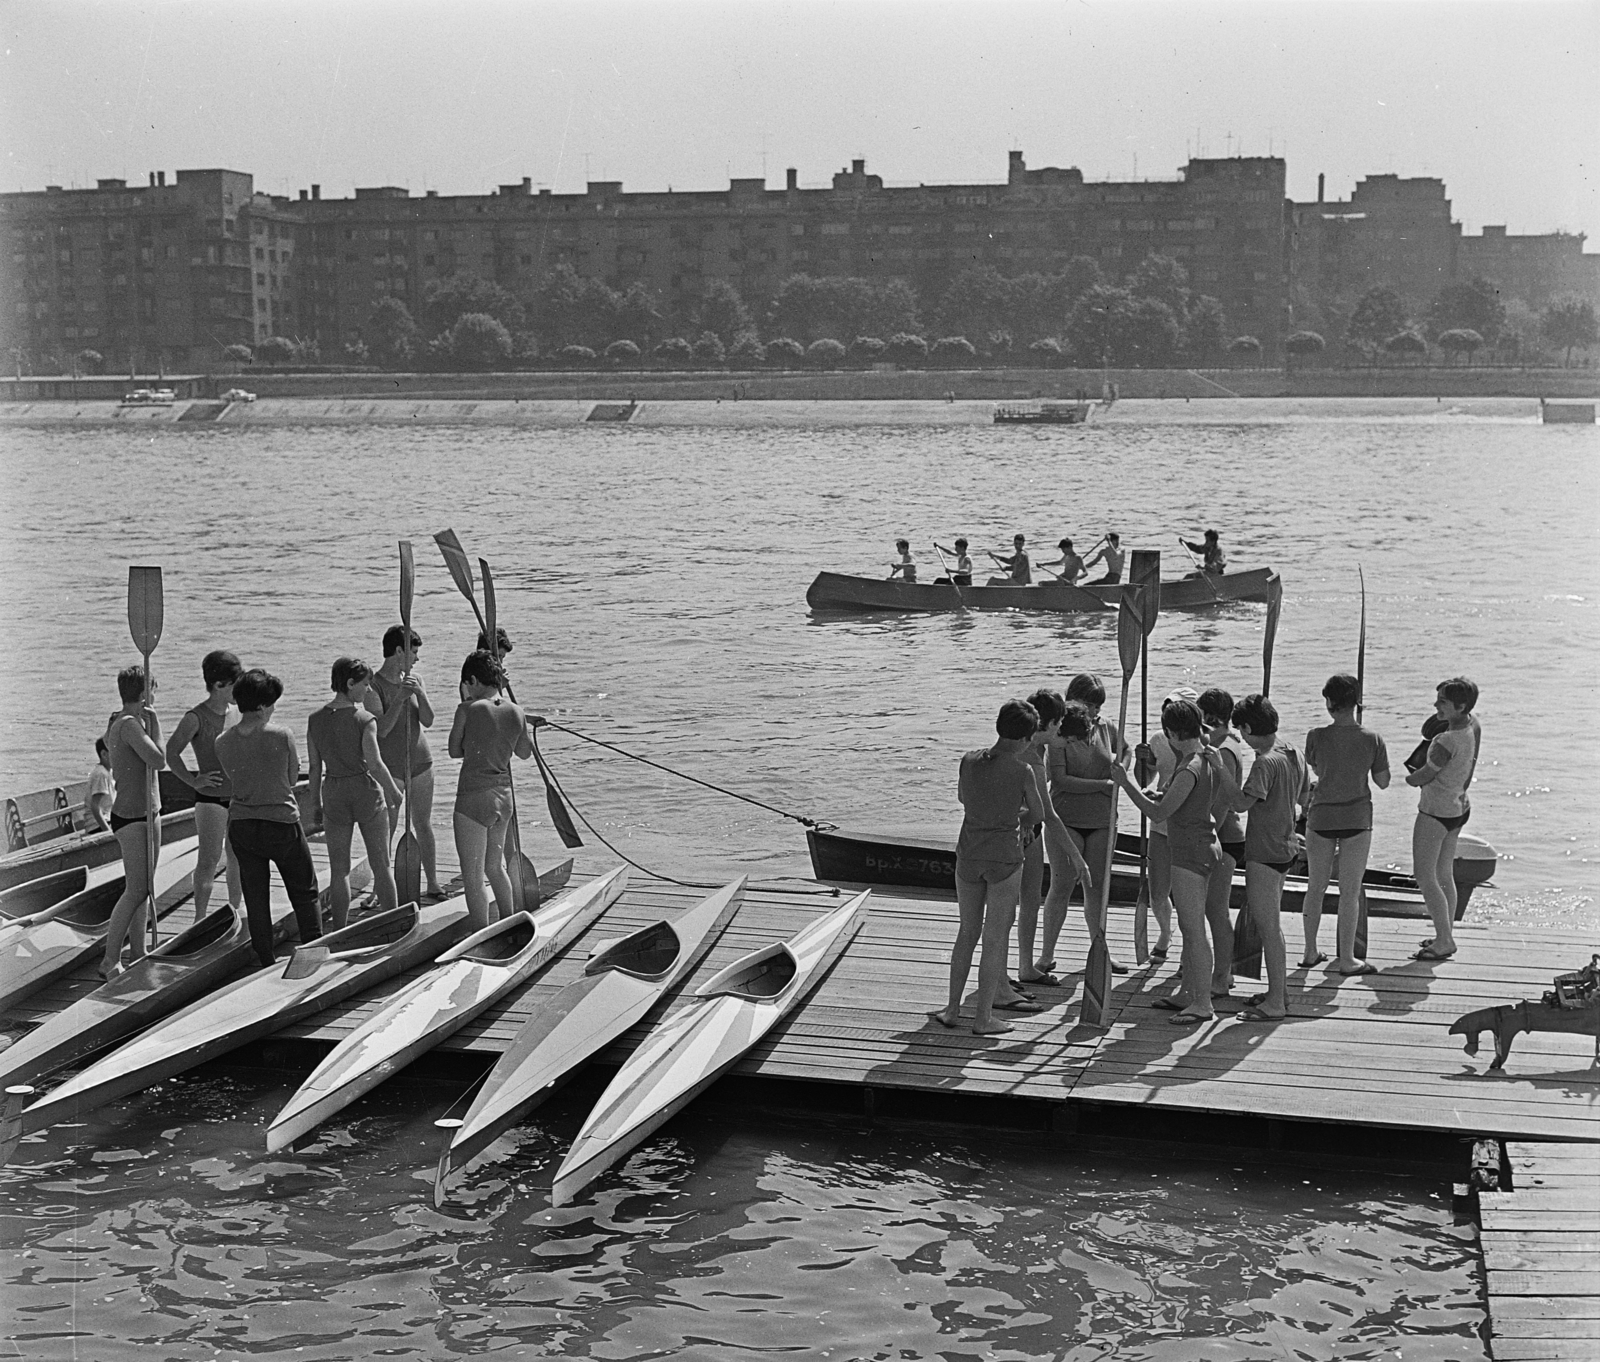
{"x": 160, "y": 1223}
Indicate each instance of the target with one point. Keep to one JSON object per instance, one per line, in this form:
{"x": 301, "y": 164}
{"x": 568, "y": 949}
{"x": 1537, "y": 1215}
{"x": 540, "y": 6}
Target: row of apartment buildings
{"x": 172, "y": 273}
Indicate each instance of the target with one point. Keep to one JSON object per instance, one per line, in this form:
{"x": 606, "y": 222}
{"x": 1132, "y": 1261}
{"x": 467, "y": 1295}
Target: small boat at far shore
{"x": 466, "y": 980}
{"x": 622, "y": 981}
{"x": 1078, "y": 413}
{"x": 690, "y": 1049}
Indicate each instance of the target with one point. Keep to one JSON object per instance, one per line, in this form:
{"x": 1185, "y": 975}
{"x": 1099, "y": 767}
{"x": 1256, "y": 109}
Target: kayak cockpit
{"x": 91, "y": 910}
{"x": 497, "y": 943}
{"x": 207, "y": 932}
{"x": 764, "y": 974}
{"x": 34, "y": 896}
{"x": 375, "y": 933}
{"x": 646, "y": 954}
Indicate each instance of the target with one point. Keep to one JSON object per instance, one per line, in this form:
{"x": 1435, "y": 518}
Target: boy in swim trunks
{"x": 905, "y": 567}
{"x": 998, "y": 791}
{"x": 1216, "y": 708}
{"x": 1339, "y": 822}
{"x": 1050, "y": 836}
{"x": 1112, "y": 555}
{"x": 401, "y": 703}
{"x": 1444, "y": 808}
{"x": 1278, "y": 784}
{"x": 200, "y": 729}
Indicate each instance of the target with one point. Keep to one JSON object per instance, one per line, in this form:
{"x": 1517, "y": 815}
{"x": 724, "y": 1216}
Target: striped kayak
{"x": 693, "y": 1047}
{"x": 467, "y": 979}
{"x": 622, "y": 981}
{"x": 328, "y": 971}
{"x": 33, "y": 954}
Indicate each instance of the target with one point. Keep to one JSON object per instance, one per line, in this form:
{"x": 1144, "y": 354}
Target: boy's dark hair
{"x": 99, "y": 747}
{"x": 1049, "y": 704}
{"x": 1182, "y": 719}
{"x": 256, "y": 690}
{"x": 1114, "y": 537}
{"x": 1459, "y": 691}
{"x": 961, "y": 544}
{"x": 1088, "y": 688}
{"x": 346, "y": 672}
{"x": 1342, "y": 691}
{"x": 1065, "y": 546}
{"x": 395, "y": 635}
{"x": 1018, "y": 719}
{"x": 1216, "y": 704}
{"x": 902, "y": 545}
{"x": 1258, "y": 713}
{"x": 1077, "y": 722}
{"x": 501, "y": 637}
{"x": 130, "y": 683}
{"x": 481, "y": 667}
{"x": 220, "y": 668}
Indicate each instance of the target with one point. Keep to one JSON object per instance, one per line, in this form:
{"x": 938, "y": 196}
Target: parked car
{"x": 238, "y": 395}
{"x": 150, "y": 397}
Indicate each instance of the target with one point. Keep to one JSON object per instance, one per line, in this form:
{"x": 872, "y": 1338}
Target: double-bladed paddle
{"x": 146, "y": 614}
{"x": 407, "y": 854}
{"x": 1097, "y": 972}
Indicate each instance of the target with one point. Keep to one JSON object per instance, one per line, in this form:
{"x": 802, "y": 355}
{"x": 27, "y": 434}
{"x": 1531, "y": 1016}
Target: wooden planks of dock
{"x": 1541, "y": 1255}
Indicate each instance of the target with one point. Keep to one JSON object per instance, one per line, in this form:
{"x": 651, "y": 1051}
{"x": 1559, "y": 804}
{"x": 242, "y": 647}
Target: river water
{"x": 653, "y": 578}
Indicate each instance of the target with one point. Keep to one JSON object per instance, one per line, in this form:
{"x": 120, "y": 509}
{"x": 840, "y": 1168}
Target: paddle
{"x": 1144, "y": 571}
{"x": 1274, "y": 609}
{"x": 1361, "y": 704}
{"x": 146, "y": 609}
{"x": 407, "y": 854}
{"x": 1097, "y": 972}
{"x": 1200, "y": 569}
{"x": 519, "y": 869}
{"x": 960, "y": 599}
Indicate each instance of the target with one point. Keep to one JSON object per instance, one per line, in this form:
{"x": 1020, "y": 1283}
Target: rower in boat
{"x": 1111, "y": 554}
{"x": 1213, "y": 561}
{"x": 905, "y": 567}
{"x": 961, "y": 575}
{"x": 1019, "y": 571}
{"x": 1070, "y": 564}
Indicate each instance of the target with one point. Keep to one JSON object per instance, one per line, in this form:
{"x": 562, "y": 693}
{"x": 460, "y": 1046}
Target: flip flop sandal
{"x": 1158, "y": 954}
{"x": 1018, "y": 1005}
{"x": 1251, "y": 1014}
{"x": 1187, "y": 1019}
{"x": 1167, "y": 1005}
{"x": 1043, "y": 981}
{"x": 1428, "y": 953}
{"x": 1321, "y": 959}
{"x": 1366, "y": 968}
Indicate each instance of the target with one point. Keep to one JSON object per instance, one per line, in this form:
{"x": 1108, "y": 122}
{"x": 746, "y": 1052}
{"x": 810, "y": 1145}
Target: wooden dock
{"x": 1541, "y": 1255}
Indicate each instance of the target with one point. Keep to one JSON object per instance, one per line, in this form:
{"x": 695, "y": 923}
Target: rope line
{"x": 732, "y": 794}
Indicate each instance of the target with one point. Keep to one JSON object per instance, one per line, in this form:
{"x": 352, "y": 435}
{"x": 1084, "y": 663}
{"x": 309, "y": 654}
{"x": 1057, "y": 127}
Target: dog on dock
{"x": 1572, "y": 1006}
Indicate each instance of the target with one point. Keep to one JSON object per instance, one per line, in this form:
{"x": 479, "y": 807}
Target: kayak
{"x": 690, "y": 1049}
{"x": 179, "y": 970}
{"x": 837, "y": 591}
{"x": 1196, "y": 590}
{"x": 465, "y": 981}
{"x": 32, "y": 954}
{"x": 925, "y": 860}
{"x": 317, "y": 976}
{"x": 621, "y": 982}
{"x": 32, "y": 900}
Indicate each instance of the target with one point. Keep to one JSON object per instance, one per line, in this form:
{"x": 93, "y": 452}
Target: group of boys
{"x": 1018, "y": 565}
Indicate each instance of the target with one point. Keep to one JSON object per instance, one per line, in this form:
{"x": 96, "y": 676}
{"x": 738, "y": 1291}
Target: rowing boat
{"x": 924, "y": 861}
{"x": 33, "y": 954}
{"x": 621, "y": 982}
{"x": 838, "y": 591}
{"x": 32, "y": 900}
{"x": 688, "y": 1051}
{"x": 179, "y": 970}
{"x": 465, "y": 981}
{"x": 1197, "y": 590}
{"x": 317, "y": 976}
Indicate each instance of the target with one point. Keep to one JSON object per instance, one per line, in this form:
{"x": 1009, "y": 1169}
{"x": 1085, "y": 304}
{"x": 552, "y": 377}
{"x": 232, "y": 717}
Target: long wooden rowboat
{"x": 181, "y": 969}
{"x": 691, "y": 1048}
{"x": 317, "y": 976}
{"x": 924, "y": 861}
{"x": 466, "y": 979}
{"x": 33, "y": 900}
{"x": 1197, "y": 590}
{"x": 622, "y": 981}
{"x": 837, "y": 591}
{"x": 34, "y": 954}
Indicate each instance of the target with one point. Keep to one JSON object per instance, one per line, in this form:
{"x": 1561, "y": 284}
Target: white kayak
{"x": 690, "y": 1049}
{"x": 317, "y": 976}
{"x": 621, "y": 982}
{"x": 34, "y": 953}
{"x": 34, "y": 900}
{"x": 465, "y": 981}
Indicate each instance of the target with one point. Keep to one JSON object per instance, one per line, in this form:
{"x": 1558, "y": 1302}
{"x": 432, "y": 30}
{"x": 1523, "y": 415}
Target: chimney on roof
{"x": 1320, "y": 179}
{"x": 431, "y": 194}
{"x": 792, "y": 178}
{"x": 303, "y": 196}
{"x": 858, "y": 167}
{"x": 527, "y": 184}
{"x": 316, "y": 191}
{"x": 1017, "y": 171}
{"x": 161, "y": 179}
{"x": 152, "y": 179}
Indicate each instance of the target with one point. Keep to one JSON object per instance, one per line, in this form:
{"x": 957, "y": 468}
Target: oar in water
{"x": 407, "y": 854}
{"x": 1097, "y": 972}
{"x": 146, "y": 610}
{"x": 1246, "y": 938}
{"x": 1200, "y": 569}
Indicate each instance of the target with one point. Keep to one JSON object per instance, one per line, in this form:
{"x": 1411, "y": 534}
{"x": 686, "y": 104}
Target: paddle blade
{"x": 455, "y": 558}
{"x": 408, "y": 868}
{"x": 1145, "y": 571}
{"x": 1130, "y": 632}
{"x": 1246, "y": 945}
{"x": 491, "y": 634}
{"x": 1361, "y": 929}
{"x": 1096, "y": 983}
{"x": 146, "y": 607}
{"x": 1141, "y": 924}
{"x": 560, "y": 819}
{"x": 1270, "y": 637}
{"x": 408, "y": 584}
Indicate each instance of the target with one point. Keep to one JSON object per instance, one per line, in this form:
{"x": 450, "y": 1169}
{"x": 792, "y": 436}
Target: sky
{"x": 1498, "y": 98}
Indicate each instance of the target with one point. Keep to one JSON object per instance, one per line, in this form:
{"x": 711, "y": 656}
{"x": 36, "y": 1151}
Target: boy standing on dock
{"x": 200, "y": 728}
{"x": 1444, "y": 808}
{"x": 401, "y": 703}
{"x": 998, "y": 791}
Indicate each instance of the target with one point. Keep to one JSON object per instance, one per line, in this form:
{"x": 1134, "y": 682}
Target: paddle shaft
{"x": 146, "y": 611}
{"x": 1201, "y": 568}
{"x": 1361, "y": 650}
{"x": 957, "y": 585}
{"x": 406, "y": 852}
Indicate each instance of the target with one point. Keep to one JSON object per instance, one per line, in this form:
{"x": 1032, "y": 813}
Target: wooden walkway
{"x": 1541, "y": 1255}
{"x": 1372, "y": 1051}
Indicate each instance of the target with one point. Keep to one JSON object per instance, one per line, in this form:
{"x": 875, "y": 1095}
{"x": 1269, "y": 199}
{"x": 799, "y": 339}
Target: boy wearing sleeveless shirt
{"x": 200, "y": 728}
{"x": 998, "y": 791}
